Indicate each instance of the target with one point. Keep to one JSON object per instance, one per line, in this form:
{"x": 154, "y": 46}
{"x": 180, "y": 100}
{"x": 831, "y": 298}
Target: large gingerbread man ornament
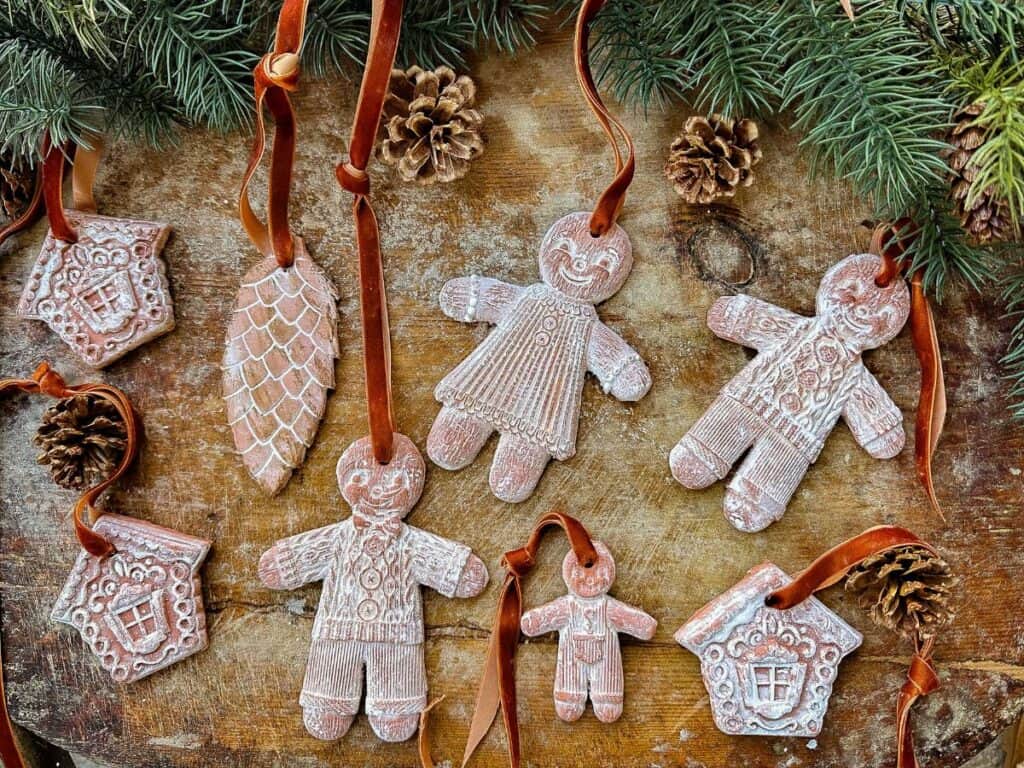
{"x": 588, "y": 623}
{"x": 808, "y": 372}
{"x": 370, "y": 617}
{"x": 526, "y": 379}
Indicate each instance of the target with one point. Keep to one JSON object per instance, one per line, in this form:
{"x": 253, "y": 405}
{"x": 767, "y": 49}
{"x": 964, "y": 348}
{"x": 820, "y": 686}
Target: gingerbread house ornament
{"x": 768, "y": 672}
{"x": 140, "y": 609}
{"x": 105, "y": 294}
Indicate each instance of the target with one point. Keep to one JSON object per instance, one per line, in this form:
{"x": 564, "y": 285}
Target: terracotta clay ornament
{"x": 134, "y": 592}
{"x": 807, "y": 374}
{"x": 588, "y": 622}
{"x": 768, "y": 672}
{"x": 99, "y": 282}
{"x": 282, "y": 340}
{"x": 370, "y": 618}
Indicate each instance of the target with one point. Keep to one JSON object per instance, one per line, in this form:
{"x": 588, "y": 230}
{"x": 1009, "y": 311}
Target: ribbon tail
{"x": 488, "y": 697}
{"x": 921, "y": 681}
{"x": 423, "y": 741}
{"x": 31, "y": 213}
{"x": 931, "y": 405}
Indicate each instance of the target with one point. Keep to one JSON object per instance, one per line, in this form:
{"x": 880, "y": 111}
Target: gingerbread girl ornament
{"x": 588, "y": 622}
{"x": 783, "y": 405}
{"x": 370, "y": 618}
{"x": 526, "y": 379}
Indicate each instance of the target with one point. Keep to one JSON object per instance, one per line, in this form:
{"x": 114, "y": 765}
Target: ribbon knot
{"x": 279, "y": 69}
{"x": 518, "y": 562}
{"x": 50, "y": 382}
{"x": 353, "y": 179}
{"x": 922, "y": 678}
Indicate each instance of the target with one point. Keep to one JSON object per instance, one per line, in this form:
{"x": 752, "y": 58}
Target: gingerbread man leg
{"x": 707, "y": 452}
{"x": 516, "y": 468}
{"x": 396, "y": 689}
{"x": 570, "y": 683}
{"x": 332, "y": 688}
{"x": 760, "y": 490}
{"x": 606, "y": 682}
{"x": 456, "y": 438}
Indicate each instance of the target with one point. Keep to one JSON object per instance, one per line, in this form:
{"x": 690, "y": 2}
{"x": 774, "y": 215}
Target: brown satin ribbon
{"x": 833, "y": 566}
{"x": 276, "y": 75}
{"x": 48, "y": 382}
{"x": 498, "y": 683}
{"x": 32, "y": 211}
{"x": 609, "y": 204}
{"x": 890, "y": 242}
{"x": 385, "y": 26}
{"x": 83, "y": 177}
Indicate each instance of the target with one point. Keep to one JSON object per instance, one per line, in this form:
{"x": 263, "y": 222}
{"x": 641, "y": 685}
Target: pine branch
{"x": 1013, "y": 361}
{"x": 867, "y": 97}
{"x": 337, "y": 35}
{"x": 986, "y": 27}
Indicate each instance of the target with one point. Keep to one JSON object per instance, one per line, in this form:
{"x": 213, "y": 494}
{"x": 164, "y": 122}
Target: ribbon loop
{"x": 518, "y": 562}
{"x": 352, "y": 179}
{"x": 922, "y": 678}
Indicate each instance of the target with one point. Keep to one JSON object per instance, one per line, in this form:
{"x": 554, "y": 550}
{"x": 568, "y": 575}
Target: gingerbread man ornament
{"x": 370, "y": 617}
{"x": 783, "y": 405}
{"x": 588, "y": 622}
{"x": 526, "y": 379}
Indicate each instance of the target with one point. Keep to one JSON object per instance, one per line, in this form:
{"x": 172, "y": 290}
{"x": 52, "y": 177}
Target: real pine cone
{"x": 83, "y": 439}
{"x": 431, "y": 131}
{"x": 17, "y": 185}
{"x": 907, "y": 589}
{"x": 713, "y": 157}
{"x": 988, "y": 217}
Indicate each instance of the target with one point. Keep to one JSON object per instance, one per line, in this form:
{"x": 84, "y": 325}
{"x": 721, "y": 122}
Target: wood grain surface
{"x": 236, "y": 703}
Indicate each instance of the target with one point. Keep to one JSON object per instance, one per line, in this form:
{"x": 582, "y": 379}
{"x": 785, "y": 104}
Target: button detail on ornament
{"x": 768, "y": 672}
{"x": 141, "y": 608}
{"x": 105, "y": 294}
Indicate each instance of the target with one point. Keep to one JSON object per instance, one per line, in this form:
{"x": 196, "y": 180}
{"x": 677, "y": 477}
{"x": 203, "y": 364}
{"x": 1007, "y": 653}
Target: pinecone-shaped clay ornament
{"x": 525, "y": 380}
{"x": 713, "y": 157}
{"x": 431, "y": 130}
{"x": 987, "y": 218}
{"x": 779, "y": 410}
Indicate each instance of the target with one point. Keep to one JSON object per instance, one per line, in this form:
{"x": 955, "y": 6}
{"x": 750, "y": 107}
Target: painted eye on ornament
{"x": 608, "y": 260}
{"x": 563, "y": 246}
{"x": 359, "y": 477}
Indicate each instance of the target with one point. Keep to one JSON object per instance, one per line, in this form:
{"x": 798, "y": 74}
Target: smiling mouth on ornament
{"x": 584, "y": 280}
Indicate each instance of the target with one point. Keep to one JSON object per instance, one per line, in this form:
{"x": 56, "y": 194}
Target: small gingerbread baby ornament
{"x": 370, "y": 616}
{"x": 526, "y": 379}
{"x": 784, "y": 404}
{"x": 588, "y": 623}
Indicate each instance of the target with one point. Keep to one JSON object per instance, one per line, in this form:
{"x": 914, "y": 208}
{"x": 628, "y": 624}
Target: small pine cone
{"x": 83, "y": 439}
{"x": 988, "y": 217}
{"x": 17, "y": 185}
{"x": 431, "y": 131}
{"x": 713, "y": 157}
{"x": 907, "y": 589}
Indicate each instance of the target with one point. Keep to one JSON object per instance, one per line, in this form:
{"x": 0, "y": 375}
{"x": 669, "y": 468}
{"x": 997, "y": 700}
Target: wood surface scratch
{"x": 235, "y": 704}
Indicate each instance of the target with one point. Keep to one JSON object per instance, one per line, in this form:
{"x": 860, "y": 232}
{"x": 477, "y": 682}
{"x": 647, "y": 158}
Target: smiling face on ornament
{"x": 861, "y": 310}
{"x": 381, "y": 490}
{"x": 581, "y": 266}
{"x": 592, "y": 581}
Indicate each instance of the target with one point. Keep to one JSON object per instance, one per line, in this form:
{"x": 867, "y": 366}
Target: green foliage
{"x": 982, "y": 27}
{"x": 999, "y": 86}
{"x": 1012, "y": 285}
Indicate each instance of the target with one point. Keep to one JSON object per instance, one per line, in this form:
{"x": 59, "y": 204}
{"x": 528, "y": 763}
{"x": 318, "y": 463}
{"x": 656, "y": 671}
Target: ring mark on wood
{"x": 714, "y": 239}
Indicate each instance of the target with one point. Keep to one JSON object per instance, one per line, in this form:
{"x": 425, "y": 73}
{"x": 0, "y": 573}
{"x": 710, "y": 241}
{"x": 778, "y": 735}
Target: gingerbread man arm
{"x": 632, "y": 621}
{"x": 873, "y": 418}
{"x": 751, "y": 322}
{"x": 299, "y": 559}
{"x": 549, "y": 617}
{"x": 445, "y": 565}
{"x": 616, "y": 364}
{"x": 478, "y": 299}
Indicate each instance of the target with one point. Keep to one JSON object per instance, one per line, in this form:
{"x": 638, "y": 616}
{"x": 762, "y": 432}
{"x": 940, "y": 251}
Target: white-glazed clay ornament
{"x": 588, "y": 622}
{"x": 105, "y": 294}
{"x": 782, "y": 406}
{"x": 768, "y": 672}
{"x": 526, "y": 379}
{"x": 370, "y": 617}
{"x": 141, "y": 608}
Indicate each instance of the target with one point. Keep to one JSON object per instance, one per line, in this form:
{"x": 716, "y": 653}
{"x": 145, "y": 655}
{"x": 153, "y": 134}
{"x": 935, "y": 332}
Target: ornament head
{"x": 866, "y": 314}
{"x": 383, "y": 490}
{"x": 592, "y": 581}
{"x": 584, "y": 267}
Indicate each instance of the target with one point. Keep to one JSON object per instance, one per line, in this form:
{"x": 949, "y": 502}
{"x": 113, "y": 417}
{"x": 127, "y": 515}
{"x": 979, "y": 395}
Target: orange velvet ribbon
{"x": 890, "y": 242}
{"x": 498, "y": 682}
{"x": 833, "y": 566}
